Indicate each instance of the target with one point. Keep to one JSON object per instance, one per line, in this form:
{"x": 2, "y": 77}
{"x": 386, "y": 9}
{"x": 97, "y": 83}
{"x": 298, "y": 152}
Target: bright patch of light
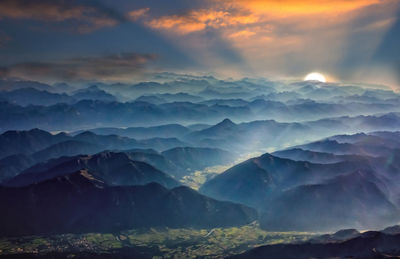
{"x": 315, "y": 77}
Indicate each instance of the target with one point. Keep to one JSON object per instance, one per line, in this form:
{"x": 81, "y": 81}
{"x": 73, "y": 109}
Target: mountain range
{"x": 37, "y": 146}
{"x": 319, "y": 191}
{"x": 188, "y": 101}
{"x": 82, "y": 202}
{"x": 113, "y": 168}
{"x": 278, "y": 156}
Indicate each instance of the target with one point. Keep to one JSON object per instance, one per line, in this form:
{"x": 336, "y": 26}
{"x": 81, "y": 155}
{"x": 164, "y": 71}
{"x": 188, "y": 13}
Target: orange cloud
{"x": 225, "y": 13}
{"x": 278, "y": 36}
{"x": 137, "y": 14}
{"x": 197, "y": 20}
{"x": 299, "y": 7}
{"x": 244, "y": 33}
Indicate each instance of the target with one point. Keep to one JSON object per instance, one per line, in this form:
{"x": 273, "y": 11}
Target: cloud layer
{"x": 118, "y": 67}
{"x": 272, "y": 37}
{"x": 233, "y": 38}
{"x": 87, "y": 15}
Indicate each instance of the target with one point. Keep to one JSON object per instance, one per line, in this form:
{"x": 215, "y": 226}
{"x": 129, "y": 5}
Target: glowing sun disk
{"x": 315, "y": 77}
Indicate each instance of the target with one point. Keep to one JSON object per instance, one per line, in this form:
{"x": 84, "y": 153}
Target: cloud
{"x": 233, "y": 13}
{"x": 118, "y": 67}
{"x": 278, "y": 37}
{"x": 285, "y": 38}
{"x": 87, "y": 16}
{"x": 198, "y": 20}
{"x": 243, "y": 33}
{"x": 285, "y": 8}
{"x": 138, "y": 13}
{"x": 4, "y": 39}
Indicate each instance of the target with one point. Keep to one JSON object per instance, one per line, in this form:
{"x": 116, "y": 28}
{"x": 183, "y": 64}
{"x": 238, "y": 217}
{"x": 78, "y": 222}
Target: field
{"x": 155, "y": 243}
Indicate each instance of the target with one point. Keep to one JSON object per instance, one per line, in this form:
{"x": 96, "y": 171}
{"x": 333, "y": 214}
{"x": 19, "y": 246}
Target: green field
{"x": 163, "y": 243}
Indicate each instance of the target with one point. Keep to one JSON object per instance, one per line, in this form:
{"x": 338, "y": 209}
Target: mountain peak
{"x": 86, "y": 134}
{"x": 34, "y": 131}
{"x": 226, "y": 123}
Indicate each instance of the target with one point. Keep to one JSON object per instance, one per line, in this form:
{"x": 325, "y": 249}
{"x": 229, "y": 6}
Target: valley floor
{"x": 153, "y": 243}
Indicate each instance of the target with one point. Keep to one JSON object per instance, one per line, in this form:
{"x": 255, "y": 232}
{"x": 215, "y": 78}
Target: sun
{"x": 315, "y": 77}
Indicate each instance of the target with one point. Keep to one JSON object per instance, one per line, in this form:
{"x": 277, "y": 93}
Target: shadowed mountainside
{"x": 82, "y": 202}
{"x": 369, "y": 245}
{"x": 355, "y": 190}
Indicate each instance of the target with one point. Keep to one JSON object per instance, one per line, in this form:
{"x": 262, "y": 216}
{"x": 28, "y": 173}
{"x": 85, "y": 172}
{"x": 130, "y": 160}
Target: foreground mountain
{"x": 82, "y": 202}
{"x": 354, "y": 184}
{"x": 352, "y": 200}
{"x": 341, "y": 235}
{"x": 369, "y": 245}
{"x": 258, "y": 180}
{"x": 113, "y": 168}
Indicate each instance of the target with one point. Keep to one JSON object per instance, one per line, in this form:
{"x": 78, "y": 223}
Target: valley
{"x": 154, "y": 243}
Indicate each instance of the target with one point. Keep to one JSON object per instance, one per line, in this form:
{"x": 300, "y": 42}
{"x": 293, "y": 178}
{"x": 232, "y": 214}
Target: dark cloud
{"x": 4, "y": 39}
{"x": 114, "y": 67}
{"x": 85, "y": 16}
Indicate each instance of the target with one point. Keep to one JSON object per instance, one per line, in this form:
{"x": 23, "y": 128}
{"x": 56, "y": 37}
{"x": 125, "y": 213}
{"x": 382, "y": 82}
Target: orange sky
{"x": 277, "y": 36}
{"x": 272, "y": 38}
